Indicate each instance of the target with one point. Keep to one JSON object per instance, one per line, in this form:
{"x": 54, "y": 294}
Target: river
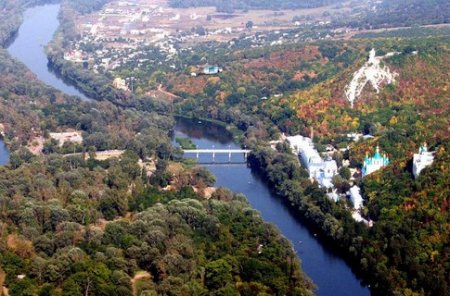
{"x": 329, "y": 272}
{"x": 37, "y": 30}
{"x": 332, "y": 275}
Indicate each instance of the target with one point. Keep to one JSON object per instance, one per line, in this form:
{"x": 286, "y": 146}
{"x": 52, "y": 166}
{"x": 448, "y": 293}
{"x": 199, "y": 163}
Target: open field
{"x": 154, "y": 20}
{"x": 100, "y": 155}
{"x": 104, "y": 155}
{"x": 72, "y": 136}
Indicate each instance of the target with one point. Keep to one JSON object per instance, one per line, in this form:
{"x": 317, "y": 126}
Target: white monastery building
{"x": 321, "y": 170}
{"x": 422, "y": 159}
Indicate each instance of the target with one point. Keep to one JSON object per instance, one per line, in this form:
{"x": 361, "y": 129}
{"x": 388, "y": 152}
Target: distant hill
{"x": 392, "y": 13}
{"x": 229, "y": 6}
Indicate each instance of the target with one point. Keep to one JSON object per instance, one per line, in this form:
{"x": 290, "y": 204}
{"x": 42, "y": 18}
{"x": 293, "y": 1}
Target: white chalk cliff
{"x": 372, "y": 72}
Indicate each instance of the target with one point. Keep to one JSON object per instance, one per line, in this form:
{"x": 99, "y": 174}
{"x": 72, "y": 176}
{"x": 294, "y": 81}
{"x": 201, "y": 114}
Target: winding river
{"x": 329, "y": 272}
{"x": 37, "y": 30}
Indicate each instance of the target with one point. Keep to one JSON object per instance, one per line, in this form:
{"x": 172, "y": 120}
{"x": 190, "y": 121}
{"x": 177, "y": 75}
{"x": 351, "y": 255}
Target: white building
{"x": 304, "y": 147}
{"x": 422, "y": 159}
{"x": 355, "y": 197}
{"x": 296, "y": 142}
{"x": 120, "y": 83}
{"x": 318, "y": 169}
{"x": 357, "y": 200}
{"x": 75, "y": 56}
{"x": 330, "y": 168}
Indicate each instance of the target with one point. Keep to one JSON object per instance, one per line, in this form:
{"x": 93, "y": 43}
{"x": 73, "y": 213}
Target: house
{"x": 422, "y": 159}
{"x": 330, "y": 168}
{"x": 211, "y": 70}
{"x": 120, "y": 83}
{"x": 368, "y": 137}
{"x": 354, "y": 136}
{"x": 76, "y": 56}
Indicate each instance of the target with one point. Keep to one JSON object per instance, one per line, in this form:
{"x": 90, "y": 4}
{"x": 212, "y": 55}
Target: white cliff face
{"x": 372, "y": 72}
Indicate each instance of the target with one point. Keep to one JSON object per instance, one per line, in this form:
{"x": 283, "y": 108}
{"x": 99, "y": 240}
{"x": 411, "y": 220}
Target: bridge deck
{"x": 216, "y": 151}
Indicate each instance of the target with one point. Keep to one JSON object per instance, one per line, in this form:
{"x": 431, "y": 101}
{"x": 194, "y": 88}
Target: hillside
{"x": 411, "y": 110}
{"x": 392, "y": 13}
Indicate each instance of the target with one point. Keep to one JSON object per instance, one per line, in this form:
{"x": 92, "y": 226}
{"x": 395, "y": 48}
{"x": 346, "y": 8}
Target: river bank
{"x": 320, "y": 260}
{"x": 29, "y": 45}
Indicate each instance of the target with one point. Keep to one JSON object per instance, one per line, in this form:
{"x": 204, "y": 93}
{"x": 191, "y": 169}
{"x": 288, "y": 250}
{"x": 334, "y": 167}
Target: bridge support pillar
{"x": 229, "y": 157}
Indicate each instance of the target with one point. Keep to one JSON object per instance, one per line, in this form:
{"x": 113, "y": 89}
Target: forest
{"x": 85, "y": 235}
{"x": 392, "y": 13}
{"x": 86, "y": 6}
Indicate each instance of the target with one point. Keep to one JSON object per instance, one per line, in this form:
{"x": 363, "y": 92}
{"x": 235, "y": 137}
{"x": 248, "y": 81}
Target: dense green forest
{"x": 91, "y": 237}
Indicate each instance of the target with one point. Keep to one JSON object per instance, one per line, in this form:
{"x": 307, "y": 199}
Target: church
{"x": 374, "y": 163}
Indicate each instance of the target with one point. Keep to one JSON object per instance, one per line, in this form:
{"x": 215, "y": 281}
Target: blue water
{"x": 40, "y": 23}
{"x": 4, "y": 153}
{"x": 330, "y": 273}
